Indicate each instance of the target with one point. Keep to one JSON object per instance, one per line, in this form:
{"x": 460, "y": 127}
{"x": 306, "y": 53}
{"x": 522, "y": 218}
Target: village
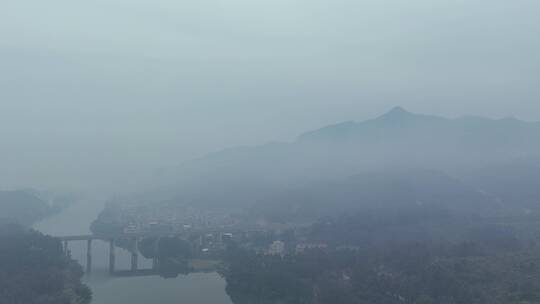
{"x": 207, "y": 230}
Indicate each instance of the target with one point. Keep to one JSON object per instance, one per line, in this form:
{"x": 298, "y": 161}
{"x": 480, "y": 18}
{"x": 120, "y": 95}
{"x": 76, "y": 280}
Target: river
{"x": 191, "y": 289}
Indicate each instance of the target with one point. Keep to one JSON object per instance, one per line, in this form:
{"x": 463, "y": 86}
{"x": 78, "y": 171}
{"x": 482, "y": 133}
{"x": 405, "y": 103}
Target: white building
{"x": 300, "y": 248}
{"x": 276, "y": 248}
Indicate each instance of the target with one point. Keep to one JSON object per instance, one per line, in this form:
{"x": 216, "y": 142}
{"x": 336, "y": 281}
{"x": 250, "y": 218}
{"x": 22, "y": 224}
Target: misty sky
{"x": 115, "y": 88}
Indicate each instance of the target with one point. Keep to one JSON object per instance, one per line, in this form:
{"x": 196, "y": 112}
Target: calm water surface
{"x": 190, "y": 289}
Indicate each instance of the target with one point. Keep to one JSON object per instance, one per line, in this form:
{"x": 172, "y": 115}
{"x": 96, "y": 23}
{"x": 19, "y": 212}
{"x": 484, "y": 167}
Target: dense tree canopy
{"x": 34, "y": 270}
{"x": 483, "y": 263}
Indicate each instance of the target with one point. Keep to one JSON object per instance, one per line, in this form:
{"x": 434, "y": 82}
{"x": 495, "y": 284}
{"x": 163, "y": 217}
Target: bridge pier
{"x": 111, "y": 256}
{"x": 89, "y": 256}
{"x": 155, "y": 259}
{"x": 135, "y": 255}
{"x": 154, "y": 263}
{"x": 66, "y": 249}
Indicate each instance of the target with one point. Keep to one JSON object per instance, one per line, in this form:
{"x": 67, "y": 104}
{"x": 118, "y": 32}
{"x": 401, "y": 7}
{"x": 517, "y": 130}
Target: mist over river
{"x": 191, "y": 289}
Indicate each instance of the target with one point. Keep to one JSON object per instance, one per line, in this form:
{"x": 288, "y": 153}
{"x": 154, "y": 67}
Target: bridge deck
{"x": 116, "y": 236}
{"x": 78, "y": 237}
{"x": 137, "y": 273}
{"x": 143, "y": 235}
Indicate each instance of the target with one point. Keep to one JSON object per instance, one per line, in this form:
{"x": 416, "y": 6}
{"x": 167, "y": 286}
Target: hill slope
{"x": 22, "y": 206}
{"x": 242, "y": 176}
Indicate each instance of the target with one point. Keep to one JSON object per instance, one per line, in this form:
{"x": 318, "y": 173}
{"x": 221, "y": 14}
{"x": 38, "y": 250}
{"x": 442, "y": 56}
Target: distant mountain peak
{"x": 399, "y": 109}
{"x": 397, "y": 113}
{"x": 397, "y": 116}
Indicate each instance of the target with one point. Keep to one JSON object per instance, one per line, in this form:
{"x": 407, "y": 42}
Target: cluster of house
{"x": 211, "y": 242}
{"x": 212, "y": 228}
{"x": 279, "y": 248}
{"x": 142, "y": 219}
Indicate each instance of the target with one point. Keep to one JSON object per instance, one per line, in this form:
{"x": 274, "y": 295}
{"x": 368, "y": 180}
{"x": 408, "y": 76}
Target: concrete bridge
{"x": 134, "y": 238}
{"x": 112, "y": 240}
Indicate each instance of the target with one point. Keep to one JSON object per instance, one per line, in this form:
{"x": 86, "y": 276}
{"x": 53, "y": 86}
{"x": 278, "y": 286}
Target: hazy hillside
{"x": 23, "y": 207}
{"x": 389, "y": 191}
{"x": 462, "y": 147}
{"x": 516, "y": 181}
{"x": 395, "y": 138}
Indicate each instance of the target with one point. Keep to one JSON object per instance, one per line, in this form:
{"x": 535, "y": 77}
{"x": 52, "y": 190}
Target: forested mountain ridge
{"x": 385, "y": 190}
{"x": 397, "y": 134}
{"x": 466, "y": 148}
